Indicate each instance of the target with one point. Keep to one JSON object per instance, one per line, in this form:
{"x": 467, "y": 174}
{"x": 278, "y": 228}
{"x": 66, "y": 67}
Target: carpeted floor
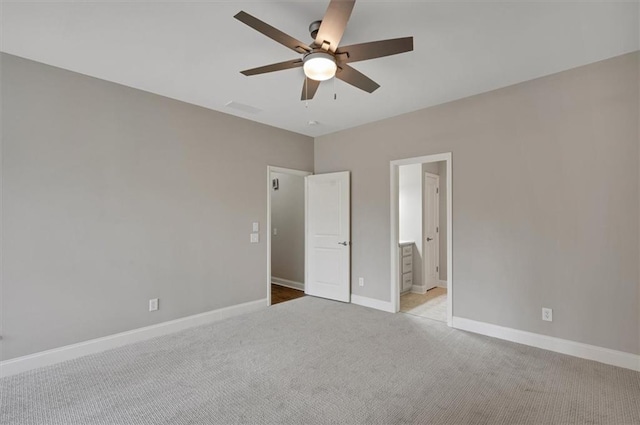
{"x": 316, "y": 361}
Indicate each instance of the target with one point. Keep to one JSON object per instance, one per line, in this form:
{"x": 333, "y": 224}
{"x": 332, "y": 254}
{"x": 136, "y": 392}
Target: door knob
{"x": 345, "y": 243}
{"x": 429, "y": 239}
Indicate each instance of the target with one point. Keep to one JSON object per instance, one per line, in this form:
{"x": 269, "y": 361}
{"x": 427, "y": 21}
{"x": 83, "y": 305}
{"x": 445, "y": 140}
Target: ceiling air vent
{"x": 242, "y": 107}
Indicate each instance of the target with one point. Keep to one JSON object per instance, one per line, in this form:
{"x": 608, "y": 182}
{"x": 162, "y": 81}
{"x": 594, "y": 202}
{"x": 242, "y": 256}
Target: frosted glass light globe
{"x": 319, "y": 66}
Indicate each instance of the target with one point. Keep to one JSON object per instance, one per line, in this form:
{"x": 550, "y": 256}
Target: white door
{"x": 431, "y": 242}
{"x": 327, "y": 253}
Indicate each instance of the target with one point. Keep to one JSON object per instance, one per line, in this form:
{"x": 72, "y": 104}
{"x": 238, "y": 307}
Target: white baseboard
{"x": 372, "y": 303}
{"x": 417, "y": 289}
{"x": 93, "y": 346}
{"x": 564, "y": 346}
{"x": 287, "y": 283}
{"x": 442, "y": 284}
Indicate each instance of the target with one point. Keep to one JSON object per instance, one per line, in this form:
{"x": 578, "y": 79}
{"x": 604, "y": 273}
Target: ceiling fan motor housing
{"x": 313, "y": 28}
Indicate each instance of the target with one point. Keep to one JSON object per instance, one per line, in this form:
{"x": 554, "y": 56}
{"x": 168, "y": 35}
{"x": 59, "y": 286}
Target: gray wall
{"x": 545, "y": 200}
{"x": 287, "y": 215}
{"x": 431, "y": 167}
{"x": 113, "y": 196}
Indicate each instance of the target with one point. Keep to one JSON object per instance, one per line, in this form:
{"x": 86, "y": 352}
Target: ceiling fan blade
{"x": 309, "y": 88}
{"x": 356, "y": 78}
{"x": 334, "y": 23}
{"x": 273, "y": 33}
{"x": 375, "y": 49}
{"x": 296, "y": 63}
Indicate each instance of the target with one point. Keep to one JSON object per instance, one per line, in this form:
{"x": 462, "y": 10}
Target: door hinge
{"x": 437, "y": 269}
{"x": 437, "y": 190}
{"x": 437, "y": 229}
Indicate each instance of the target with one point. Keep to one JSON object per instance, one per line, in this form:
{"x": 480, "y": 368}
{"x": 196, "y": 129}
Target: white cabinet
{"x": 405, "y": 256}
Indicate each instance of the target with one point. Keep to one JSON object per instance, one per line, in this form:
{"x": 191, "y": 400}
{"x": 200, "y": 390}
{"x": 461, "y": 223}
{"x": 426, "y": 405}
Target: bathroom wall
{"x": 410, "y": 213}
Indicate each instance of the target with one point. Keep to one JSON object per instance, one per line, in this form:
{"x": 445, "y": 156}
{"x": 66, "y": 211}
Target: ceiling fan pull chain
{"x": 335, "y": 95}
{"x": 306, "y": 92}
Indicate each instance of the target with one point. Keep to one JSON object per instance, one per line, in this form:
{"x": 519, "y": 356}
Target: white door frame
{"x": 424, "y": 220}
{"x": 393, "y": 243}
{"x": 272, "y": 169}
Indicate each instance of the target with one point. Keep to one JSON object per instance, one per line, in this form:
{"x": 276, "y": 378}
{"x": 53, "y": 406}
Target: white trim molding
{"x": 559, "y": 345}
{"x": 372, "y": 303}
{"x": 442, "y": 284}
{"x": 418, "y": 289}
{"x": 93, "y": 346}
{"x": 287, "y": 283}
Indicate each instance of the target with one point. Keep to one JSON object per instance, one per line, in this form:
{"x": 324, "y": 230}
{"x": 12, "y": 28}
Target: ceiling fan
{"x": 323, "y": 58}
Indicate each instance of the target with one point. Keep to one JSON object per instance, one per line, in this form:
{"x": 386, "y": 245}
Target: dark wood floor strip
{"x": 280, "y": 294}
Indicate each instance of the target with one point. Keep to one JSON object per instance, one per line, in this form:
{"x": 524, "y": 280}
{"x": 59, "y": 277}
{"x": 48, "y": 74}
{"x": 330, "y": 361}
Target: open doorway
{"x": 421, "y": 237}
{"x": 285, "y": 234}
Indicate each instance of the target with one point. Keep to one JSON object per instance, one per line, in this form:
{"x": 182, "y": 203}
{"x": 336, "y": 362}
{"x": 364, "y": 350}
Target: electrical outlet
{"x": 547, "y": 314}
{"x": 275, "y": 231}
{"x": 256, "y": 226}
{"x": 361, "y": 281}
{"x": 153, "y": 304}
{"x": 255, "y": 237}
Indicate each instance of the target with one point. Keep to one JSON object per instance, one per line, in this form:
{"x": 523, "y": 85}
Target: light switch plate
{"x": 255, "y": 237}
{"x": 256, "y": 226}
{"x": 153, "y": 304}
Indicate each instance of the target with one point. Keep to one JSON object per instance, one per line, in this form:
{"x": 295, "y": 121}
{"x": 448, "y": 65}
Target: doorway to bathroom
{"x": 421, "y": 244}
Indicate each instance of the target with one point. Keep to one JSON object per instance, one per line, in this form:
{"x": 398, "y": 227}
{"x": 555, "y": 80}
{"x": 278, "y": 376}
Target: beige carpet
{"x": 432, "y": 304}
{"x": 313, "y": 361}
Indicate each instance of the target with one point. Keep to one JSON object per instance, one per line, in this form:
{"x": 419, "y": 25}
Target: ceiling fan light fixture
{"x": 319, "y": 66}
{"x": 320, "y": 58}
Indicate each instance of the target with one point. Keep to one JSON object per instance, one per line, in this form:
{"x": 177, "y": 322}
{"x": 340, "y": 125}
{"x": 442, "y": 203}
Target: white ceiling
{"x": 193, "y": 51}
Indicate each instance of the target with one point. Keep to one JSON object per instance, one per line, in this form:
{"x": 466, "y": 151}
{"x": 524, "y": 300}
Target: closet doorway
{"x": 285, "y": 234}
